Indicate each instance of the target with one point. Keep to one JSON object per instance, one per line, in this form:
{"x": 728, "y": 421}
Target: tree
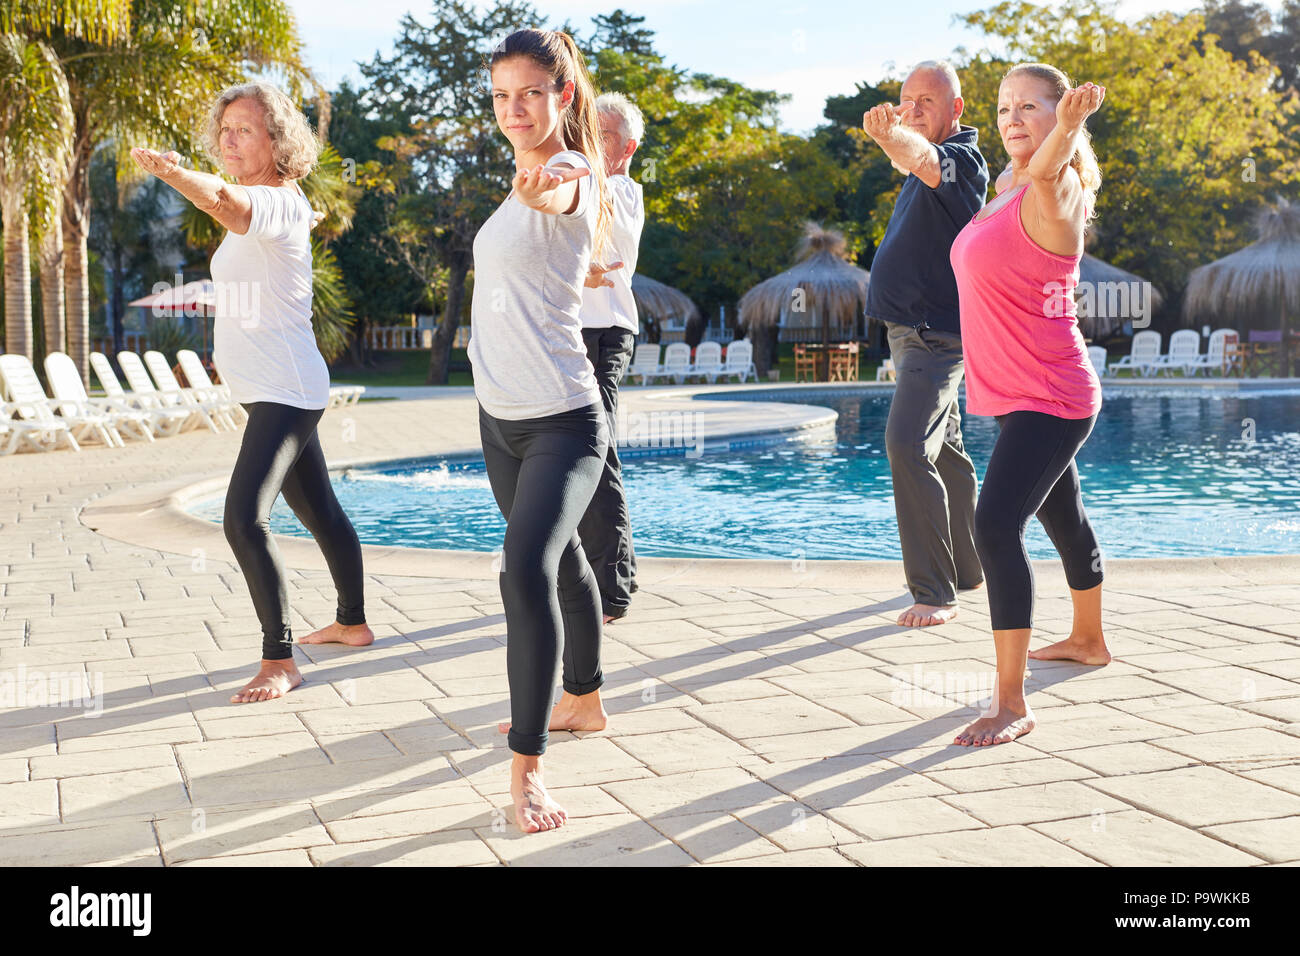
{"x": 35, "y": 122}
{"x": 725, "y": 191}
{"x": 1190, "y": 140}
{"x": 452, "y": 167}
{"x": 372, "y": 275}
{"x": 153, "y": 83}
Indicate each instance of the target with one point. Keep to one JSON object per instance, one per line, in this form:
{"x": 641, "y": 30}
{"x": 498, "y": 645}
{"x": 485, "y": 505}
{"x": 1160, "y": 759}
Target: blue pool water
{"x": 1164, "y": 475}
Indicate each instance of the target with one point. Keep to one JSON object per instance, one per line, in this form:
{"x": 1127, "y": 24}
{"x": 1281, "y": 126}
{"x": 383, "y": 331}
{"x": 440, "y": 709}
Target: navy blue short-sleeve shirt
{"x": 911, "y": 277}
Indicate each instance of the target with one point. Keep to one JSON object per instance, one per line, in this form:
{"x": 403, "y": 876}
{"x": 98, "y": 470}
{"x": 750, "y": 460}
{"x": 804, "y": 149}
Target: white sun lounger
{"x": 1184, "y": 349}
{"x": 73, "y": 402}
{"x": 708, "y": 361}
{"x": 203, "y": 387}
{"x": 740, "y": 361}
{"x": 162, "y": 421}
{"x": 29, "y": 406}
{"x": 1143, "y": 355}
{"x": 1216, "y": 352}
{"x": 645, "y": 362}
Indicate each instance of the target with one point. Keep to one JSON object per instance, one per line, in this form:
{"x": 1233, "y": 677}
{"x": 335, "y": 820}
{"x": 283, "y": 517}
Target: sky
{"x": 810, "y": 50}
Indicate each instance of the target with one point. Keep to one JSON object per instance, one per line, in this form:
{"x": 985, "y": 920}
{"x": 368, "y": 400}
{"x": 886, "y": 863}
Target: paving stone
{"x": 1134, "y": 838}
{"x": 1200, "y": 796}
{"x": 885, "y": 819}
{"x": 996, "y": 846}
{"x": 714, "y": 837}
{"x": 145, "y": 792}
{"x": 444, "y": 848}
{"x": 1276, "y": 840}
{"x": 611, "y": 840}
{"x": 203, "y": 834}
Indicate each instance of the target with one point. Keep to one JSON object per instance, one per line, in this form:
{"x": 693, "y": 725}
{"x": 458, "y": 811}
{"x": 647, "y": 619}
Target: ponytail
{"x": 557, "y": 53}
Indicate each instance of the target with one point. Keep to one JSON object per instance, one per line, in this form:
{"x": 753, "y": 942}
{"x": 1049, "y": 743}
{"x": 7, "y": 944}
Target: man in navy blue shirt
{"x": 912, "y": 290}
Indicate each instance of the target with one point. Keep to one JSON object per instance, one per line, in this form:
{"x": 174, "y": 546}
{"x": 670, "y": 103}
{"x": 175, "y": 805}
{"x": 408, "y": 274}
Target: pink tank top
{"x": 1019, "y": 332}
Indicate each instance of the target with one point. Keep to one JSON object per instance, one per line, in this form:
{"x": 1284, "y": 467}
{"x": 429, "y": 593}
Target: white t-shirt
{"x": 525, "y": 332}
{"x": 263, "y": 344}
{"x": 606, "y": 307}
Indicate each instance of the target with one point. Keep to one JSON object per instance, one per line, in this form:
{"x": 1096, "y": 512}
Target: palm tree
{"x": 35, "y": 121}
{"x": 152, "y": 84}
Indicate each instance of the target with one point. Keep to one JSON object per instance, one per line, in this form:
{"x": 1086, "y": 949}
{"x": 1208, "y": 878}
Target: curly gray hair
{"x": 293, "y": 143}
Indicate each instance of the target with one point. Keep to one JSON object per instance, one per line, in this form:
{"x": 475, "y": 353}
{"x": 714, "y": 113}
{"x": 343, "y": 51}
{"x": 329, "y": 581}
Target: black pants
{"x": 543, "y": 472}
{"x": 281, "y": 453}
{"x": 606, "y": 528}
{"x": 1032, "y": 472}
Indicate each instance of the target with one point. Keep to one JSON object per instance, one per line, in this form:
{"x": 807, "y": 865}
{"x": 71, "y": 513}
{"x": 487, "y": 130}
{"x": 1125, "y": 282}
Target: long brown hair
{"x": 1084, "y": 159}
{"x": 556, "y": 53}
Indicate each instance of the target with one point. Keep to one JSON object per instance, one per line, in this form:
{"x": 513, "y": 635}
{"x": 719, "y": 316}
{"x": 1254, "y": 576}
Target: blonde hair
{"x": 1084, "y": 160}
{"x": 555, "y": 52}
{"x": 293, "y": 143}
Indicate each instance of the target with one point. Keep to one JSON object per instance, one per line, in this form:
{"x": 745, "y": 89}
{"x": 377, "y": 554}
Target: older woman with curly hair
{"x": 265, "y": 350}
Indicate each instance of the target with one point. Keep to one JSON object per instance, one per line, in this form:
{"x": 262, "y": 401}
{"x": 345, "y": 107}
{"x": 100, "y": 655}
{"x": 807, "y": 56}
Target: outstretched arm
{"x": 225, "y": 202}
{"x": 908, "y": 150}
{"x": 1058, "y": 193}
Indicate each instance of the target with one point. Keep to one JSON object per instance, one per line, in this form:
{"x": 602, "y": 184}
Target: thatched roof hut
{"x": 823, "y": 292}
{"x": 1255, "y": 287}
{"x": 658, "y": 304}
{"x": 1108, "y": 296}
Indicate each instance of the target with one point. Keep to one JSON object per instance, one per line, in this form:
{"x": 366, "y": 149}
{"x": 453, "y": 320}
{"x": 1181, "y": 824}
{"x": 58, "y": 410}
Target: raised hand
{"x": 596, "y": 275}
{"x": 1078, "y": 104}
{"x": 159, "y": 164}
{"x": 534, "y": 186}
{"x": 879, "y": 120}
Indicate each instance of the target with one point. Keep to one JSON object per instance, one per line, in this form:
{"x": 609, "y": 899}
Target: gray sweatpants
{"x": 934, "y": 479}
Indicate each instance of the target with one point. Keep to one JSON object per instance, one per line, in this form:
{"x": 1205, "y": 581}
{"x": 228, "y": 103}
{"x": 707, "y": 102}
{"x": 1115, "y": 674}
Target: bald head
{"x": 935, "y": 91}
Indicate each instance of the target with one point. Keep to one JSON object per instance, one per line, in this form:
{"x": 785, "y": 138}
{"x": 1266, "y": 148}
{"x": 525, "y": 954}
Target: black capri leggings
{"x": 543, "y": 472}
{"x": 281, "y": 453}
{"x": 1032, "y": 471}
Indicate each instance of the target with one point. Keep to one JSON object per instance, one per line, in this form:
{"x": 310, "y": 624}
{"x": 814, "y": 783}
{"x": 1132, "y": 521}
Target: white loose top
{"x": 263, "y": 344}
{"x": 606, "y": 307}
{"x": 525, "y": 331}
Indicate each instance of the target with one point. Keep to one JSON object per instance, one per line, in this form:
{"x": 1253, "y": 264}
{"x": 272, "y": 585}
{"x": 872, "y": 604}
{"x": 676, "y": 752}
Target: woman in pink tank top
{"x": 1017, "y": 265}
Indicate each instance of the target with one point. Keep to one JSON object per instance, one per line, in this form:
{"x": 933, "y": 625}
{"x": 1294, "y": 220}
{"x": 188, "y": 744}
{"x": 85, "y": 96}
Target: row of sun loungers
{"x": 710, "y": 363}
{"x": 156, "y": 405}
{"x": 1146, "y": 359}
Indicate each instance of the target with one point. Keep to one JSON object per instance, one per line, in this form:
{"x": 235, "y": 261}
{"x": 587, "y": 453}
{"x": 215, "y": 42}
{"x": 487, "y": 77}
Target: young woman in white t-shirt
{"x": 544, "y": 430}
{"x": 265, "y": 350}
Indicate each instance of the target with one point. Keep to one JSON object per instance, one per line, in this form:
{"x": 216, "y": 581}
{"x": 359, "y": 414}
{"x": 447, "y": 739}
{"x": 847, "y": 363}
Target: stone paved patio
{"x": 761, "y": 715}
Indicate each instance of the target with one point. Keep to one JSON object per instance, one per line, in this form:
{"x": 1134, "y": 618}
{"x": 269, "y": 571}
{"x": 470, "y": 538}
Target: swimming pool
{"x": 1164, "y": 474}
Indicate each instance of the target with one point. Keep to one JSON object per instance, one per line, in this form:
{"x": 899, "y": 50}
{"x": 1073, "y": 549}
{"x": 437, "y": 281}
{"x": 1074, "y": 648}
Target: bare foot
{"x": 1001, "y": 728}
{"x": 353, "y": 635}
{"x": 574, "y": 712}
{"x": 534, "y": 808}
{"x": 610, "y": 618}
{"x": 274, "y": 679}
{"x": 927, "y": 615}
{"x": 1084, "y": 650}
{"x": 970, "y": 587}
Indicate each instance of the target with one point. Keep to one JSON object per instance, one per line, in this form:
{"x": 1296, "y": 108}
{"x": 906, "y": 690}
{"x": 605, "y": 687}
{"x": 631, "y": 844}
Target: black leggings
{"x": 543, "y": 472}
{"x": 281, "y": 453}
{"x": 1032, "y": 471}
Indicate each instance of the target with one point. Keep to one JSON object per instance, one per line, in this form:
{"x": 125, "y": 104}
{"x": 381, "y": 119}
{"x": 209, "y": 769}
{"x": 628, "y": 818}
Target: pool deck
{"x": 762, "y": 713}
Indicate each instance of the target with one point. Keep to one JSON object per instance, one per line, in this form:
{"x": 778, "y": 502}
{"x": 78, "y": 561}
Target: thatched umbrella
{"x": 1100, "y": 307}
{"x": 657, "y": 303}
{"x": 834, "y": 293}
{"x": 1259, "y": 284}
